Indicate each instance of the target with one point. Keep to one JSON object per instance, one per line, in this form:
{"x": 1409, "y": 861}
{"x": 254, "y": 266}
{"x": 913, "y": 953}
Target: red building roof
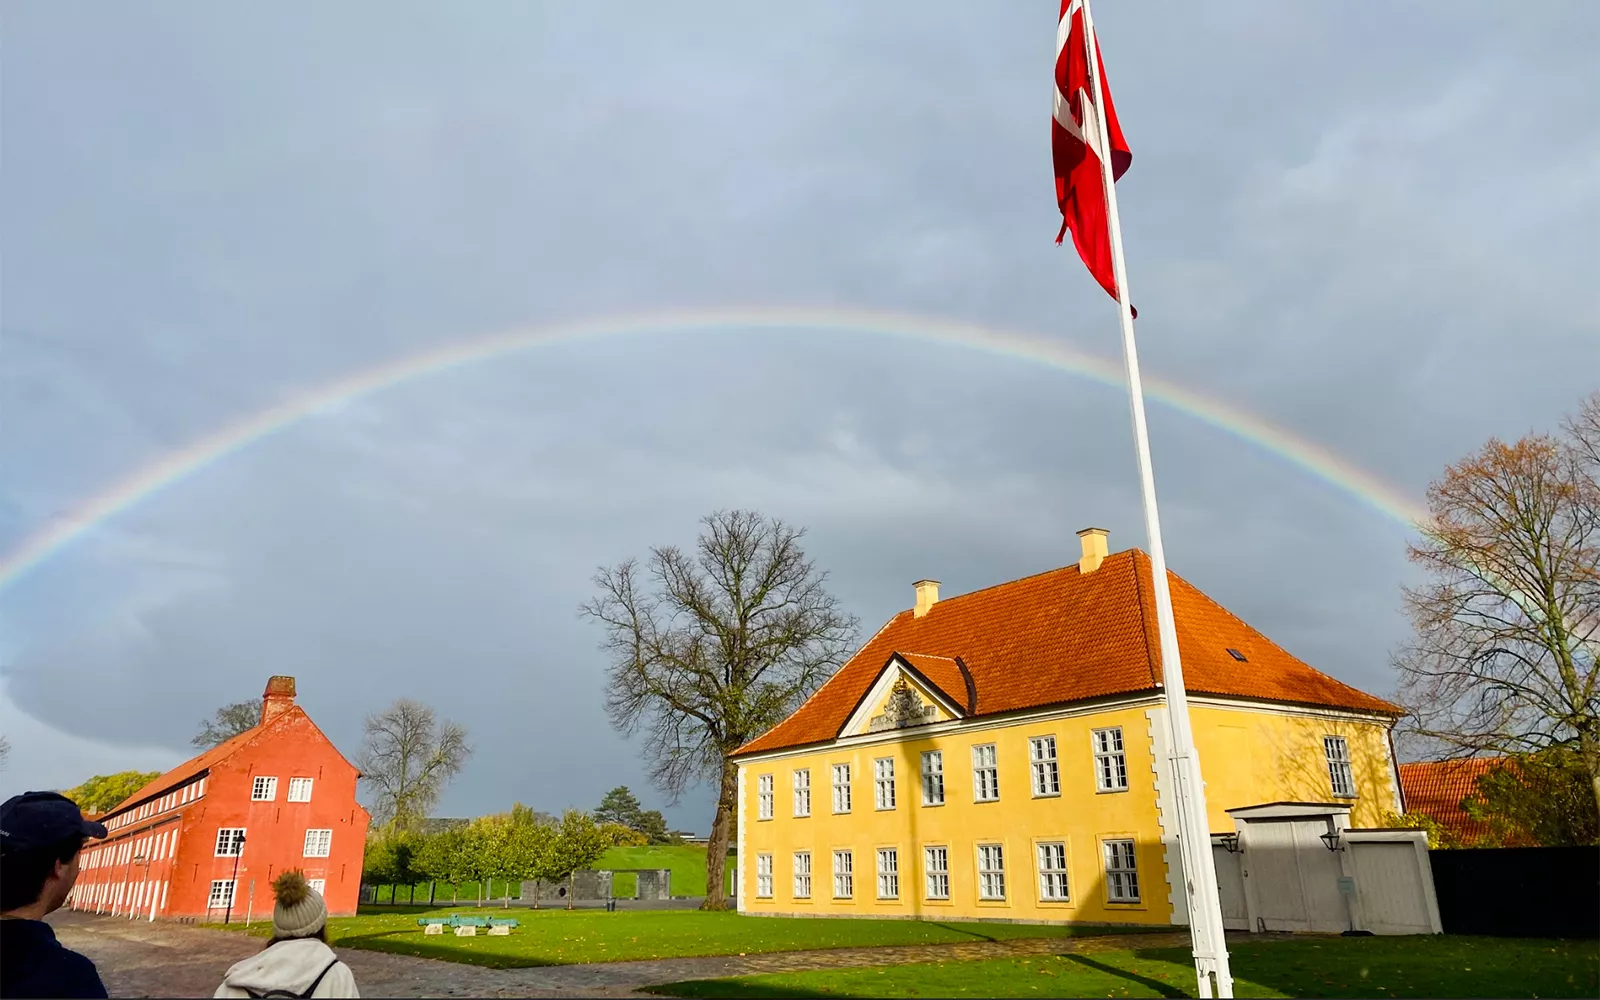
{"x": 1435, "y": 788}
{"x": 278, "y": 707}
{"x": 1064, "y": 636}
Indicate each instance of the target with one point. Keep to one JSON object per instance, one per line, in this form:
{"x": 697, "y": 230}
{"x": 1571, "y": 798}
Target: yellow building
{"x": 1001, "y": 755}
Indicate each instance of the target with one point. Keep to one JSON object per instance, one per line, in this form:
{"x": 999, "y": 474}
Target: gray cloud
{"x": 1372, "y": 227}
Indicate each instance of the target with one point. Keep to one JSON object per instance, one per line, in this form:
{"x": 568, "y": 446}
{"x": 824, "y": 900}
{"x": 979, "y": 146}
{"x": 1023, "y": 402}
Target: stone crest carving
{"x": 904, "y": 708}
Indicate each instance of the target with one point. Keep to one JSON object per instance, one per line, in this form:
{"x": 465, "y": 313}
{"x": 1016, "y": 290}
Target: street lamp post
{"x": 233, "y": 888}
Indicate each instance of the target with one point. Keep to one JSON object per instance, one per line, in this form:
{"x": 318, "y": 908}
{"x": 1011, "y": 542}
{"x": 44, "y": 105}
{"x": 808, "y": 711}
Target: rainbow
{"x": 239, "y": 434}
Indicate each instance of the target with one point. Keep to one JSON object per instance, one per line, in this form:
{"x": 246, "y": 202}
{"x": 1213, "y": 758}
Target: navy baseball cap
{"x": 39, "y": 819}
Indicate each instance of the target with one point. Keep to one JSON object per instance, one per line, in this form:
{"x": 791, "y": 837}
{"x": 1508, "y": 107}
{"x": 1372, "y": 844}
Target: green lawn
{"x": 688, "y": 864}
{"x": 1320, "y": 967}
{"x": 564, "y": 937}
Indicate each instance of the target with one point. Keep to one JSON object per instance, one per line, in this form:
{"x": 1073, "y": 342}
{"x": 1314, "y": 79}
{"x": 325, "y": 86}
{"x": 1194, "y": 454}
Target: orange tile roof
{"x": 1435, "y": 788}
{"x": 1065, "y": 636}
{"x": 946, "y": 673}
{"x": 204, "y": 761}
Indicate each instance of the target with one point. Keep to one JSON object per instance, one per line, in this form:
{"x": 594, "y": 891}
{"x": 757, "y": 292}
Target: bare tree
{"x": 406, "y": 759}
{"x": 712, "y": 648}
{"x": 5, "y": 752}
{"x": 228, "y": 722}
{"x": 1508, "y": 626}
{"x": 1583, "y": 433}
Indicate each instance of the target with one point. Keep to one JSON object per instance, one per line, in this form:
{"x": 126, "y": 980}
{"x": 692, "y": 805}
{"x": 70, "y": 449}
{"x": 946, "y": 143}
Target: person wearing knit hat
{"x": 297, "y": 962}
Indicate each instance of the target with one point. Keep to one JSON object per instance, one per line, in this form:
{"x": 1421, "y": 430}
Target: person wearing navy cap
{"x": 41, "y": 835}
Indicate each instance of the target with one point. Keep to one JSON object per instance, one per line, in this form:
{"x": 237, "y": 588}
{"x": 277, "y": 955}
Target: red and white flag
{"x": 1075, "y": 147}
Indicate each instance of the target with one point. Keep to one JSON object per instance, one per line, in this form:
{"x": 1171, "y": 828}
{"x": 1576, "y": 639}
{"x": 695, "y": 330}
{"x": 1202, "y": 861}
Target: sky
{"x": 1372, "y": 227}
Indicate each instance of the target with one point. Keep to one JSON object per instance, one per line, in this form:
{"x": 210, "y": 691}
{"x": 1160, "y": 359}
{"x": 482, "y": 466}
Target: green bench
{"x": 457, "y": 920}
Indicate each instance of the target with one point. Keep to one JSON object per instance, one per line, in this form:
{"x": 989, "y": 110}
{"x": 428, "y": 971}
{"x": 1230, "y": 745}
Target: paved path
{"x": 140, "y": 959}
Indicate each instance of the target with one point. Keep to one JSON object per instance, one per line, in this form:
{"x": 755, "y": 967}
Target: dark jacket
{"x": 34, "y": 964}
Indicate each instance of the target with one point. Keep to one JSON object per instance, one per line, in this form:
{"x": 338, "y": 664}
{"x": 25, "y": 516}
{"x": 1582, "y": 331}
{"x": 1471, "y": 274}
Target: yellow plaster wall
{"x": 1248, "y": 756}
{"x": 1079, "y": 816}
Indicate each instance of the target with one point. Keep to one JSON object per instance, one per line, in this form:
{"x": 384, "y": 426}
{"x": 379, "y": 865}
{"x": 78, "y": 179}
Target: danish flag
{"x": 1075, "y": 147}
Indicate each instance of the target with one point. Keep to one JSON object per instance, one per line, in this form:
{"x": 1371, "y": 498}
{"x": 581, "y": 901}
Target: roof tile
{"x": 1065, "y": 636}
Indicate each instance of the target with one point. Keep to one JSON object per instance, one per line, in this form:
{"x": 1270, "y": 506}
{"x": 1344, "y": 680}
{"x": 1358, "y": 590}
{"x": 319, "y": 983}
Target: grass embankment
{"x": 1318, "y": 967}
{"x": 566, "y": 937}
{"x": 687, "y": 862}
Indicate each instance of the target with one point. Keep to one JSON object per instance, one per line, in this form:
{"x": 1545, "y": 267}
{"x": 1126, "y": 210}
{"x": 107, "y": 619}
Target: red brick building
{"x": 218, "y": 828}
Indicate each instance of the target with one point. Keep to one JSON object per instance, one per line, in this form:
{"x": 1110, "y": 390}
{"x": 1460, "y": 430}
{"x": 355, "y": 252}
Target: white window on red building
{"x": 221, "y": 894}
{"x": 299, "y": 789}
{"x": 230, "y": 841}
{"x": 318, "y": 843}
{"x": 264, "y": 789}
{"x": 319, "y": 884}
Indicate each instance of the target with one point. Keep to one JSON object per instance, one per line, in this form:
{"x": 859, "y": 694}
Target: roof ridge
{"x": 1025, "y": 579}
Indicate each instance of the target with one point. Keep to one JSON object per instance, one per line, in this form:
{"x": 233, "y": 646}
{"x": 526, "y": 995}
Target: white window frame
{"x": 318, "y": 846}
{"x": 1046, "y": 769}
{"x": 883, "y": 783}
{"x": 765, "y": 794}
{"x": 841, "y": 788}
{"x": 221, "y": 894}
{"x": 763, "y": 876}
{"x": 844, "y": 876}
{"x": 230, "y": 841}
{"x": 991, "y": 872}
{"x": 936, "y": 871}
{"x": 802, "y": 792}
{"x": 1110, "y": 760}
{"x": 1051, "y": 856}
{"x": 319, "y": 884}
{"x": 263, "y": 789}
{"x": 1121, "y": 859}
{"x": 1341, "y": 777}
{"x": 888, "y": 873}
{"x": 985, "y": 773}
{"x": 802, "y": 874}
{"x": 299, "y": 790}
{"x": 933, "y": 777}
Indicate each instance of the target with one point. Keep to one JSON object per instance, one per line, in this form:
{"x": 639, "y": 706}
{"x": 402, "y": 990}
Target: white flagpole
{"x": 1194, "y": 835}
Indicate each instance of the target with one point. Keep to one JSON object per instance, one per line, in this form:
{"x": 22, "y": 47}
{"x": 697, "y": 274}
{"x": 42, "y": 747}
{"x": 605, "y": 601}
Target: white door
{"x": 1292, "y": 877}
{"x": 1273, "y": 872}
{"x": 1393, "y": 898}
{"x": 1326, "y": 909}
{"x": 1230, "y": 887}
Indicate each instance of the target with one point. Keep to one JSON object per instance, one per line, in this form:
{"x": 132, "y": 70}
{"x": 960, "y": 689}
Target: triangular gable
{"x": 902, "y": 696}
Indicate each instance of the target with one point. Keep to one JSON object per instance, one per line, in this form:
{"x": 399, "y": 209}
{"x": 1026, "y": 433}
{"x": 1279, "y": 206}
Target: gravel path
{"x": 141, "y": 959}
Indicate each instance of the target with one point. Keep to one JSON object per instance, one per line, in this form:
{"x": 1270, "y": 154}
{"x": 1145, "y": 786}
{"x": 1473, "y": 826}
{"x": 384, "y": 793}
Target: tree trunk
{"x": 1589, "y": 753}
{"x": 455, "y": 893}
{"x": 571, "y": 880}
{"x": 412, "y": 899}
{"x": 721, "y": 835}
{"x": 432, "y": 888}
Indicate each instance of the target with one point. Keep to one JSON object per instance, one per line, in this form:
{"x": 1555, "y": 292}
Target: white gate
{"x": 1300, "y": 868}
{"x": 1394, "y": 882}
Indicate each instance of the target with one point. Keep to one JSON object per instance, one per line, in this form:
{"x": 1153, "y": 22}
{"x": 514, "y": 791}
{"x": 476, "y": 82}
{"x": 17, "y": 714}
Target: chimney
{"x": 278, "y": 698}
{"x": 1094, "y": 549}
{"x": 927, "y": 596}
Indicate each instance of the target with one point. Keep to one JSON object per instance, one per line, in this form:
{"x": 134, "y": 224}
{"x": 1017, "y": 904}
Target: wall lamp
{"x": 1331, "y": 839}
{"x": 1229, "y": 842}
